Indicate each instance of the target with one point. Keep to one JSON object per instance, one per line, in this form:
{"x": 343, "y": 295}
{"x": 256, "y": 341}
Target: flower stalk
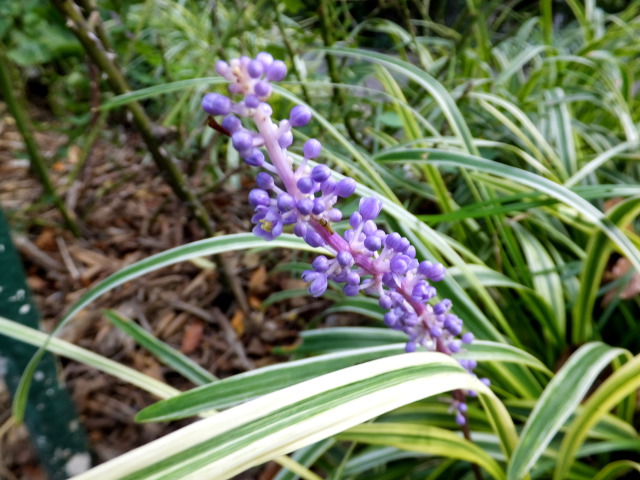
{"x": 364, "y": 258}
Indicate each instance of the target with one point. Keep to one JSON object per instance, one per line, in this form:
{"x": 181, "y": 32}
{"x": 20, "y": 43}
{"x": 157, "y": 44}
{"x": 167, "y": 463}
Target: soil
{"x": 127, "y": 212}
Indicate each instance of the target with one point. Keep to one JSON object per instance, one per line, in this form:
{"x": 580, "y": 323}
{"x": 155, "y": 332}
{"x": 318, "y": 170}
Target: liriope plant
{"x": 518, "y": 148}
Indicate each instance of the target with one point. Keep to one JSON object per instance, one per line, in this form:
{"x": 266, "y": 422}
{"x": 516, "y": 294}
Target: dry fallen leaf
{"x": 258, "y": 280}
{"x": 192, "y": 337}
{"x": 237, "y": 322}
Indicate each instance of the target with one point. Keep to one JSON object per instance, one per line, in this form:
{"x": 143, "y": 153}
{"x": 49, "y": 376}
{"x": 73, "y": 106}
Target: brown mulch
{"x": 127, "y": 212}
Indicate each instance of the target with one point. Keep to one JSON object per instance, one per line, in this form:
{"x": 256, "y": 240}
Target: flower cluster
{"x": 365, "y": 258}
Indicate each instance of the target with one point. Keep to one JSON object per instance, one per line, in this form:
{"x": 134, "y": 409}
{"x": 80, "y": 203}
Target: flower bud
{"x": 242, "y": 140}
{"x": 346, "y": 187}
{"x": 265, "y": 58}
{"x": 276, "y": 71}
{"x": 345, "y": 259}
{"x": 216, "y": 104}
{"x": 255, "y": 158}
{"x": 299, "y": 115}
{"x": 305, "y": 205}
{"x": 251, "y": 101}
{"x": 255, "y": 68}
{"x": 286, "y": 139}
{"x": 262, "y": 89}
{"x": 320, "y": 173}
{"x": 320, "y": 263}
{"x": 372, "y": 243}
{"x": 231, "y": 123}
{"x": 370, "y": 208}
{"x": 265, "y": 181}
{"x": 259, "y": 197}
{"x": 305, "y": 185}
{"x": 312, "y": 148}
{"x": 285, "y": 202}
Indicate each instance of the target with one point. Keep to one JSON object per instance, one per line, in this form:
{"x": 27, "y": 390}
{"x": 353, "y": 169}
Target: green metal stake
{"x": 51, "y": 417}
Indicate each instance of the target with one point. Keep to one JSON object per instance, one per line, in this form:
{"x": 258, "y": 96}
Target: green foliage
{"x": 503, "y": 141}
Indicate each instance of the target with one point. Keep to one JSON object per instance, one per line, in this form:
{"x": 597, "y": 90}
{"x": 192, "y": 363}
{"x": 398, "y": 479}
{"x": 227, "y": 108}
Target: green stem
{"x": 291, "y": 53}
{"x": 25, "y": 128}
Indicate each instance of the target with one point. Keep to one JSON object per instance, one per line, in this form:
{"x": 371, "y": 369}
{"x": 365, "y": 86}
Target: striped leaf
{"x": 209, "y": 246}
{"x": 557, "y": 402}
{"x": 613, "y": 390}
{"x": 230, "y": 442}
{"x": 163, "y": 352}
{"x": 536, "y": 182}
{"x": 245, "y": 386}
{"x": 423, "y": 439}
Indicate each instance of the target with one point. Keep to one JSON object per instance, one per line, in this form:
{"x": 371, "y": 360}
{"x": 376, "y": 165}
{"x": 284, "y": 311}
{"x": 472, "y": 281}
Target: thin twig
{"x": 25, "y": 128}
{"x": 290, "y": 52}
{"x": 105, "y": 61}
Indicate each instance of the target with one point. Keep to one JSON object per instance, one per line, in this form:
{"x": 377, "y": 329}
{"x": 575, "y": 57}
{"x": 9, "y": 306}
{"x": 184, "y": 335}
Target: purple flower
{"x": 364, "y": 258}
{"x": 276, "y": 71}
{"x": 216, "y": 104}
{"x": 268, "y": 222}
{"x": 299, "y": 116}
{"x": 312, "y": 148}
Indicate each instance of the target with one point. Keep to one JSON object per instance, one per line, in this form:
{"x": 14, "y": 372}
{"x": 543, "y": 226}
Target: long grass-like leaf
{"x": 559, "y": 399}
{"x": 209, "y": 246}
{"x": 79, "y": 354}
{"x": 423, "y": 439}
{"x": 617, "y": 469}
{"x": 613, "y": 390}
{"x": 245, "y": 386}
{"x": 529, "y": 179}
{"x": 156, "y": 90}
{"x": 163, "y": 352}
{"x": 234, "y": 440}
{"x": 598, "y": 251}
{"x": 426, "y": 81}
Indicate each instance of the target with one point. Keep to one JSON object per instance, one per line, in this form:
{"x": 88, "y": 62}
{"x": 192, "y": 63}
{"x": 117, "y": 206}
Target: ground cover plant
{"x": 498, "y": 141}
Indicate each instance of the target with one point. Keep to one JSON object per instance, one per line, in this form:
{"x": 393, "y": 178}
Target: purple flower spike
{"x": 216, "y": 104}
{"x": 312, "y": 148}
{"x": 299, "y": 116}
{"x": 276, "y": 71}
{"x": 305, "y": 198}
